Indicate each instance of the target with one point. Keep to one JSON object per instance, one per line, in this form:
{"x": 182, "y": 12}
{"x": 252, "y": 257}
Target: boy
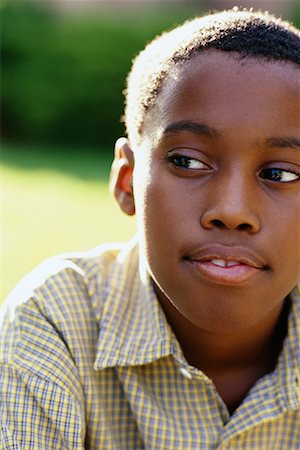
{"x": 189, "y": 337}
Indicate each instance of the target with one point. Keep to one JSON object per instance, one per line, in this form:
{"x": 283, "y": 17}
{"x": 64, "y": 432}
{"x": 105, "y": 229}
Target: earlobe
{"x": 121, "y": 176}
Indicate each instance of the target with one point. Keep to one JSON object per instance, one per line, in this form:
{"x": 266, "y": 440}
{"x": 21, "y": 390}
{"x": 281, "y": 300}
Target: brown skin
{"x": 207, "y": 193}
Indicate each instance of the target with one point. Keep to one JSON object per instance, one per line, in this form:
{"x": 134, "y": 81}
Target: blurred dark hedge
{"x": 63, "y": 76}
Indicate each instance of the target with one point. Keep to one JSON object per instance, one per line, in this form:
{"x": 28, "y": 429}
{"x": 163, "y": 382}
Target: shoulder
{"x": 53, "y": 312}
{"x": 60, "y": 276}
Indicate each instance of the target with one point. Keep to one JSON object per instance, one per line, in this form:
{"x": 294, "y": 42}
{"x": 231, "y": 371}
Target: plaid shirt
{"x": 89, "y": 361}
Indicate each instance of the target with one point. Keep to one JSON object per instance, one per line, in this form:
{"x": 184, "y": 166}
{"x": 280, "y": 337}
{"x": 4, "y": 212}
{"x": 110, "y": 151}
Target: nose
{"x": 232, "y": 204}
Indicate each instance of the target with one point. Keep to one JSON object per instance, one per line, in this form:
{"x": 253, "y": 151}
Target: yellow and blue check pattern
{"x": 88, "y": 361}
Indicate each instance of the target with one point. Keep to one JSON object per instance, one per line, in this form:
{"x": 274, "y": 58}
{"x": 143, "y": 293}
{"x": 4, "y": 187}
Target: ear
{"x": 121, "y": 176}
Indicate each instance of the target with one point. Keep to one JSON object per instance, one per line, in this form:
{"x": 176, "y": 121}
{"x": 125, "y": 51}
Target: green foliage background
{"x": 61, "y": 100}
{"x": 63, "y": 76}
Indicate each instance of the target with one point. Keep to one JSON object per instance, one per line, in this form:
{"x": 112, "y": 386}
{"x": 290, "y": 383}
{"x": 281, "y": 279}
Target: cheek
{"x": 168, "y": 206}
{"x": 290, "y": 256}
{"x": 285, "y": 241}
{"x": 162, "y": 217}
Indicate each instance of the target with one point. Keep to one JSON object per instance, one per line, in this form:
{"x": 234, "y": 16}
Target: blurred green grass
{"x": 54, "y": 201}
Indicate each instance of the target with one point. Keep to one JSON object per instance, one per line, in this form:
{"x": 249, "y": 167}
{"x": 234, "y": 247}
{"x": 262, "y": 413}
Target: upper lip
{"x": 242, "y": 255}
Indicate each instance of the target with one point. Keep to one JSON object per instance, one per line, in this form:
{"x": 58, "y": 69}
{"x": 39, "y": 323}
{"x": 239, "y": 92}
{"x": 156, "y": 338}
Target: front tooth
{"x": 218, "y": 262}
{"x": 232, "y": 263}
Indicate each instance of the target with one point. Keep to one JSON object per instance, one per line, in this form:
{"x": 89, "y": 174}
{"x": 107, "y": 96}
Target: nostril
{"x": 218, "y": 223}
{"x": 229, "y": 218}
{"x": 244, "y": 227}
{"x": 221, "y": 225}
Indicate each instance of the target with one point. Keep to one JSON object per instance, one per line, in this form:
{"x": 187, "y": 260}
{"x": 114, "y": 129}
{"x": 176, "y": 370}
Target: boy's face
{"x": 216, "y": 183}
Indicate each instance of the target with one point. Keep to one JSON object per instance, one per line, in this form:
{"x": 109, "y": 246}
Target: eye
{"x": 279, "y": 175}
{"x": 186, "y": 162}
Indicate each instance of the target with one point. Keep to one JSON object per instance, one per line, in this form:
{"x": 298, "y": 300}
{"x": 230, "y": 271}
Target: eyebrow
{"x": 192, "y": 127}
{"x": 284, "y": 142}
{"x": 205, "y": 130}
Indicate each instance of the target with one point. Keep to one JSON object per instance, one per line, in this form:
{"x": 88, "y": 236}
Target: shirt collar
{"x": 288, "y": 366}
{"x": 133, "y": 327}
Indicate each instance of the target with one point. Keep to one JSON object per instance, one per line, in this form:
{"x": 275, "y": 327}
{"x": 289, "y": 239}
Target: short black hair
{"x": 248, "y": 33}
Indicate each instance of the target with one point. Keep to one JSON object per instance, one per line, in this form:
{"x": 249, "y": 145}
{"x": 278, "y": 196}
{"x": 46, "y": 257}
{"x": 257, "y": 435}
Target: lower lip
{"x": 234, "y": 275}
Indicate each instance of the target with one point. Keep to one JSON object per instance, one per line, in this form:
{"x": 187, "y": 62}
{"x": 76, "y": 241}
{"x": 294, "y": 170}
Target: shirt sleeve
{"x": 37, "y": 414}
{"x": 42, "y": 404}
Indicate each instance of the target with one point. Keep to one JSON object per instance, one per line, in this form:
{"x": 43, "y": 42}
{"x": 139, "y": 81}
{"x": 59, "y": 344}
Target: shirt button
{"x": 185, "y": 373}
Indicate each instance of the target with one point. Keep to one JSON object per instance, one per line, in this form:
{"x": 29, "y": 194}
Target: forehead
{"x": 224, "y": 90}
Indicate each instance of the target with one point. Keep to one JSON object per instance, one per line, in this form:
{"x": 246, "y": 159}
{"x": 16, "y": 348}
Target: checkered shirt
{"x": 88, "y": 361}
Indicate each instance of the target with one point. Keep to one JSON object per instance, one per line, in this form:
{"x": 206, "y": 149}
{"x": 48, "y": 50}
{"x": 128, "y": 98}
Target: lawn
{"x": 54, "y": 201}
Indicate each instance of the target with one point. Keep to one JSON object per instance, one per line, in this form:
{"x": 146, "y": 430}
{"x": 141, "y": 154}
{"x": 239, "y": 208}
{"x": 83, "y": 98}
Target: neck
{"x": 256, "y": 346}
{"x": 235, "y": 361}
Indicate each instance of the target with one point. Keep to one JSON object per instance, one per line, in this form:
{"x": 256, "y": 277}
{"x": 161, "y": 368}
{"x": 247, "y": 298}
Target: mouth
{"x": 226, "y": 265}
